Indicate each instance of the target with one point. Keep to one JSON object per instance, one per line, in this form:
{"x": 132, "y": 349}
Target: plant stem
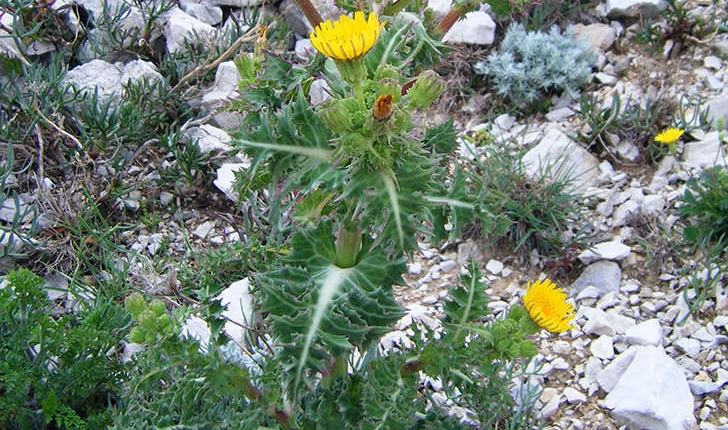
{"x": 308, "y": 9}
{"x": 450, "y": 19}
{"x": 348, "y": 244}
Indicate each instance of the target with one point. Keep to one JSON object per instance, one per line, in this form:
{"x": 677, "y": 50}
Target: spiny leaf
{"x": 468, "y": 301}
{"x": 319, "y": 310}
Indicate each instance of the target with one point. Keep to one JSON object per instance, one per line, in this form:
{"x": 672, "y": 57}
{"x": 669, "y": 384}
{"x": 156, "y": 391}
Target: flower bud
{"x": 426, "y": 89}
{"x": 382, "y": 108}
{"x": 335, "y": 115}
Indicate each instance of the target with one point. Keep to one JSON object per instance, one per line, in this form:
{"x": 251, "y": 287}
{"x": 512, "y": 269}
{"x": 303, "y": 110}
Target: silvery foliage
{"x": 530, "y": 64}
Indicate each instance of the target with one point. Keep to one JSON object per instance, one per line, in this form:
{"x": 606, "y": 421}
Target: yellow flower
{"x": 347, "y": 39}
{"x": 669, "y": 136}
{"x": 546, "y": 304}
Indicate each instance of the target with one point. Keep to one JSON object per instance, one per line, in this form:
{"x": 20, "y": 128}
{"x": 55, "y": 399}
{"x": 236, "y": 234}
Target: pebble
{"x": 494, "y": 266}
{"x": 602, "y": 347}
{"x": 573, "y": 395}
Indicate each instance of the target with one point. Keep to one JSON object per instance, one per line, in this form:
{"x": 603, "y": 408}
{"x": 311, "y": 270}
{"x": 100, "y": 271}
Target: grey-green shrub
{"x": 532, "y": 64}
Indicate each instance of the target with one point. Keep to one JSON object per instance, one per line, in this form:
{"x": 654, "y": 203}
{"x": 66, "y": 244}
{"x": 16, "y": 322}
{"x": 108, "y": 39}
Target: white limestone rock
{"x": 226, "y": 178}
{"x": 602, "y": 347}
{"x": 204, "y": 10}
{"x": 558, "y": 157}
{"x": 208, "y": 138}
{"x": 603, "y": 274}
{"x": 475, "y": 28}
{"x": 598, "y": 36}
{"x": 706, "y": 152}
{"x": 611, "y": 250}
{"x": 238, "y": 303}
{"x": 634, "y": 8}
{"x": 645, "y": 333}
{"x": 224, "y": 89}
{"x": 652, "y": 393}
{"x": 108, "y": 80}
{"x": 180, "y": 28}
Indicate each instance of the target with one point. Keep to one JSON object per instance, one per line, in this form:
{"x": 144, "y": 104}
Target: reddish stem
{"x": 312, "y": 15}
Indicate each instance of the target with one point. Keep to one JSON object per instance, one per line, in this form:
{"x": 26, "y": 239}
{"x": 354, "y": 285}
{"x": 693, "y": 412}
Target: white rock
{"x": 439, "y": 7}
{"x": 551, "y": 407}
{"x": 196, "y": 328}
{"x": 225, "y": 87}
{"x": 706, "y": 152}
{"x": 588, "y": 292}
{"x": 180, "y": 29}
{"x": 319, "y": 92}
{"x": 447, "y": 266}
{"x": 619, "y": 322}
{"x": 597, "y": 322}
{"x": 561, "y": 347}
{"x": 108, "y": 80}
{"x": 573, "y": 395}
{"x": 226, "y": 178}
{"x": 559, "y": 363}
{"x": 203, "y": 229}
{"x": 701, "y": 388}
{"x": 304, "y": 49}
{"x": 652, "y": 205}
{"x": 712, "y": 62}
{"x": 238, "y": 303}
{"x": 494, "y": 266}
{"x": 611, "y": 250}
{"x": 691, "y": 347}
{"x": 652, "y": 393}
{"x": 559, "y": 114}
{"x": 605, "y": 275}
{"x": 625, "y": 213}
{"x": 718, "y": 111}
{"x": 558, "y": 157}
{"x": 598, "y": 36}
{"x": 202, "y": 10}
{"x": 634, "y": 8}
{"x": 602, "y": 347}
{"x": 238, "y": 3}
{"x": 645, "y": 333}
{"x": 208, "y": 138}
{"x": 476, "y": 28}
{"x": 609, "y": 377}
{"x": 414, "y": 268}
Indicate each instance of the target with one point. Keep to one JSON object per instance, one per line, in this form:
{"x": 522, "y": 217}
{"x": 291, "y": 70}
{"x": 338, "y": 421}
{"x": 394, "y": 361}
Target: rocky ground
{"x": 637, "y": 355}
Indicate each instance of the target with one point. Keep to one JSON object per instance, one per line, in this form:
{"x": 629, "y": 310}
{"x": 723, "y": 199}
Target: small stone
{"x": 204, "y": 229}
{"x": 551, "y": 407}
{"x": 448, "y": 265}
{"x": 691, "y": 347}
{"x": 561, "y": 347}
{"x": 414, "y": 268}
{"x": 165, "y": 198}
{"x": 645, "y": 333}
{"x": 494, "y": 266}
{"x": 602, "y": 347}
{"x": 612, "y": 250}
{"x": 574, "y": 396}
{"x": 560, "y": 364}
{"x": 701, "y": 388}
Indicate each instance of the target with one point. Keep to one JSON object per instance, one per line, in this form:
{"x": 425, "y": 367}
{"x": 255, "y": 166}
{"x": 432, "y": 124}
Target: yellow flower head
{"x": 347, "y": 39}
{"x": 669, "y": 136}
{"x": 546, "y": 304}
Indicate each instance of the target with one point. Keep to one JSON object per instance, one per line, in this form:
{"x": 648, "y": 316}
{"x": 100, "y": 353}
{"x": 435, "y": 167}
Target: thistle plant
{"x": 338, "y": 196}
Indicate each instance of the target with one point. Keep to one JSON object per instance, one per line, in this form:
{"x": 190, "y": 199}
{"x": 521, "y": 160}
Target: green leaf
{"x": 468, "y": 302}
{"x": 441, "y": 139}
{"x": 391, "y": 400}
{"x": 319, "y": 310}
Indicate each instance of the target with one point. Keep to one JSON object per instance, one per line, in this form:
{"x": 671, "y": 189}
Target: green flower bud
{"x": 426, "y": 89}
{"x": 135, "y": 304}
{"x": 157, "y": 307}
{"x": 148, "y": 321}
{"x": 335, "y": 115}
{"x": 136, "y": 335}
